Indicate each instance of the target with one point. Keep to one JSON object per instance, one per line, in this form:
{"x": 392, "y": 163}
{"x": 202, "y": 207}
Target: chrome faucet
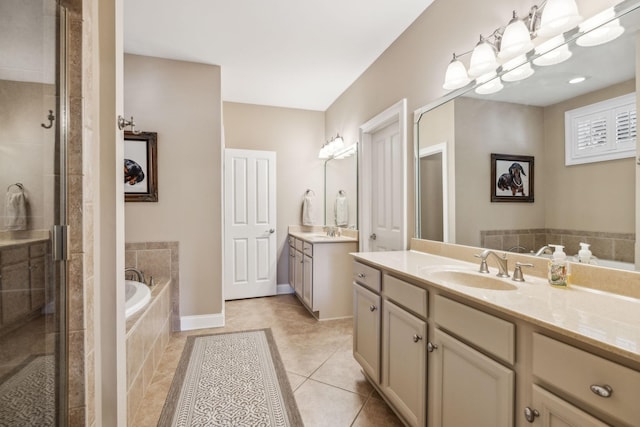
{"x": 137, "y": 272}
{"x": 543, "y": 250}
{"x": 503, "y": 270}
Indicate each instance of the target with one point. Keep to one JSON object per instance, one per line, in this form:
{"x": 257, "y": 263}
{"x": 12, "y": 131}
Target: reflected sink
{"x": 473, "y": 279}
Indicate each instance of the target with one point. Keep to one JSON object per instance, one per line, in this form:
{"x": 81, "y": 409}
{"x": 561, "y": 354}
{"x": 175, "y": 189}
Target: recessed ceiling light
{"x": 579, "y": 79}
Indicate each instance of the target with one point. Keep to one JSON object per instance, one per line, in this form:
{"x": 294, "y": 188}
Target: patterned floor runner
{"x": 27, "y": 395}
{"x": 230, "y": 379}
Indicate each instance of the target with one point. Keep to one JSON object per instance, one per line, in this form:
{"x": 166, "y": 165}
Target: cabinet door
{"x": 555, "y": 412}
{"x": 307, "y": 281}
{"x": 292, "y": 267}
{"x": 404, "y": 362}
{"x": 297, "y": 281}
{"x": 366, "y": 331}
{"x": 471, "y": 390}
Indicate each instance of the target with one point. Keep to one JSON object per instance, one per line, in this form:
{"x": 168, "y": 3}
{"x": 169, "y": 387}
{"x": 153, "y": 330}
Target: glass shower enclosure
{"x": 32, "y": 205}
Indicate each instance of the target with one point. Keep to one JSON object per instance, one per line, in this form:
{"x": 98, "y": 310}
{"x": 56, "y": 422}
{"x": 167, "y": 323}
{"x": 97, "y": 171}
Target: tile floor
{"x": 329, "y": 388}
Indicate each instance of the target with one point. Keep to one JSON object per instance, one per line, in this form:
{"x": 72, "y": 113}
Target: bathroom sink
{"x": 473, "y": 279}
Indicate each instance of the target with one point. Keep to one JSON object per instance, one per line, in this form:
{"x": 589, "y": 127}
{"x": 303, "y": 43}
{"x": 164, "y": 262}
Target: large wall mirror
{"x": 587, "y": 202}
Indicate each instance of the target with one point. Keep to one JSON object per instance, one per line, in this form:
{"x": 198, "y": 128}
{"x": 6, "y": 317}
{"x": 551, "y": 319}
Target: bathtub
{"x": 137, "y": 295}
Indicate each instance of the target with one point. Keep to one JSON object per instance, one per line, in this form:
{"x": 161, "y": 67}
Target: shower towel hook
{"x": 17, "y": 184}
{"x": 51, "y": 118}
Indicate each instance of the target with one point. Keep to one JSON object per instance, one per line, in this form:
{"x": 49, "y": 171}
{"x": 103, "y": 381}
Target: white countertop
{"x": 316, "y": 237}
{"x": 606, "y": 320}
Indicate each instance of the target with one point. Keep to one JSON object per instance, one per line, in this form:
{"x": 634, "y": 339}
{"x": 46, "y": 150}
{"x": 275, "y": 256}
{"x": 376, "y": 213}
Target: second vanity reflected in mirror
{"x": 589, "y": 202}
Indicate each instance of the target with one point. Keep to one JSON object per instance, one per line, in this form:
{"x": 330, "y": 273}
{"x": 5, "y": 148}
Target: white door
{"x": 250, "y": 223}
{"x": 382, "y": 181}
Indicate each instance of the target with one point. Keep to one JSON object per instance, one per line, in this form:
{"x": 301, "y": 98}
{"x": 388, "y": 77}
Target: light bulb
{"x": 456, "y": 75}
{"x": 557, "y": 17}
{"x": 516, "y": 39}
{"x": 519, "y": 68}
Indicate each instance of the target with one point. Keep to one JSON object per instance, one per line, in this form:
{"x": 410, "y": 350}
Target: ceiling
{"x": 286, "y": 53}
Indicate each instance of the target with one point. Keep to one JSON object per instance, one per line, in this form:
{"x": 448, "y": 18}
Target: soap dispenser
{"x": 584, "y": 254}
{"x": 558, "y": 267}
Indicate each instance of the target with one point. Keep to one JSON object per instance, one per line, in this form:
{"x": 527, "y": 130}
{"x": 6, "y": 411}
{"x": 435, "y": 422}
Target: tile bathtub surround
{"x": 147, "y": 336}
{"x": 327, "y": 382}
{"x": 611, "y": 246}
{"x": 160, "y": 260}
{"x": 626, "y": 283}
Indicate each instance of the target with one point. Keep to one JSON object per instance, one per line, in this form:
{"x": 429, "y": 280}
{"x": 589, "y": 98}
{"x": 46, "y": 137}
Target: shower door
{"x": 32, "y": 181}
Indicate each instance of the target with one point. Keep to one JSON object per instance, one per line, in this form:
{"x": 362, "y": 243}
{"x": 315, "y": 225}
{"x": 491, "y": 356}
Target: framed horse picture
{"x": 511, "y": 178}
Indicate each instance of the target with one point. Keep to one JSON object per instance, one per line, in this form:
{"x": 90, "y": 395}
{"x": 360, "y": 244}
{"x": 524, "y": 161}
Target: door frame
{"x": 395, "y": 113}
{"x": 429, "y": 151}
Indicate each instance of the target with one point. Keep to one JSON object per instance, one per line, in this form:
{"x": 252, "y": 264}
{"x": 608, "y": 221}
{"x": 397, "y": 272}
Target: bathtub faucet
{"x": 137, "y": 272}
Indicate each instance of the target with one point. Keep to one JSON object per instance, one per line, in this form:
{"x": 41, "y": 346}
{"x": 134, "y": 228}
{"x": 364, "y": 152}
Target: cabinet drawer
{"x": 298, "y": 244}
{"x": 367, "y": 276}
{"x": 15, "y": 255}
{"x": 488, "y": 332}
{"x": 292, "y": 241}
{"x": 405, "y": 294}
{"x": 307, "y": 248}
{"x": 574, "y": 372}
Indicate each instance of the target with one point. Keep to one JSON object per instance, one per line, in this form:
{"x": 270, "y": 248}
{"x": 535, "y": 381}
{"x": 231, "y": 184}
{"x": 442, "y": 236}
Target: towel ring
{"x": 342, "y": 193}
{"x": 17, "y": 184}
{"x": 309, "y": 191}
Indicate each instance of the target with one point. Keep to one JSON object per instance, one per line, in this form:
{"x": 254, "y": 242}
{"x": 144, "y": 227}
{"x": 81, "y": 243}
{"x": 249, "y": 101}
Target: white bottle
{"x": 558, "y": 267}
{"x": 584, "y": 254}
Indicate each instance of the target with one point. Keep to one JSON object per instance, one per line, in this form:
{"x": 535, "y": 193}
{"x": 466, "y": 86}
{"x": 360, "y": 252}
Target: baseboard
{"x": 203, "y": 321}
{"x": 283, "y": 289}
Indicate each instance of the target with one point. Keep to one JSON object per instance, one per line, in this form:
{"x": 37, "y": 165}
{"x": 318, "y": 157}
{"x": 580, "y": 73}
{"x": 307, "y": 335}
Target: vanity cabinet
{"x": 593, "y": 384}
{"x": 321, "y": 276}
{"x": 22, "y": 281}
{"x": 549, "y": 410}
{"x": 470, "y": 389}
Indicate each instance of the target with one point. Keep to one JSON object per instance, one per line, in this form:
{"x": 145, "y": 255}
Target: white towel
{"x": 15, "y": 211}
{"x": 341, "y": 210}
{"x": 308, "y": 209}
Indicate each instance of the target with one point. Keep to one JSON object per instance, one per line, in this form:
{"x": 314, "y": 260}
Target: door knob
{"x": 271, "y": 231}
{"x": 373, "y": 236}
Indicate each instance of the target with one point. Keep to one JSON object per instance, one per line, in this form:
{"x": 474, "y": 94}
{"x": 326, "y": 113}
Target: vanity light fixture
{"x": 456, "y": 75}
{"x": 332, "y": 147}
{"x": 483, "y": 58}
{"x": 600, "y": 29}
{"x": 557, "y": 17}
{"x": 492, "y": 85}
{"x": 519, "y": 68}
{"x": 552, "y": 52}
{"x": 516, "y": 39}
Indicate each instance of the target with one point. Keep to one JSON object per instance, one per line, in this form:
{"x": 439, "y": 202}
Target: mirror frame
{"x": 620, "y": 9}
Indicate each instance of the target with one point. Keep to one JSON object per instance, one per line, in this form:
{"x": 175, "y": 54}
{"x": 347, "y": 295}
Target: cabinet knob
{"x": 431, "y": 347}
{"x": 417, "y": 337}
{"x": 361, "y": 275}
{"x": 372, "y": 308}
{"x": 602, "y": 390}
{"x": 530, "y": 414}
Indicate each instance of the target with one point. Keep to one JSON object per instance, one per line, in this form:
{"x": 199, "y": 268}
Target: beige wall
{"x": 593, "y": 196}
{"x": 484, "y": 127}
{"x": 413, "y": 66}
{"x": 181, "y": 101}
{"x": 296, "y": 136}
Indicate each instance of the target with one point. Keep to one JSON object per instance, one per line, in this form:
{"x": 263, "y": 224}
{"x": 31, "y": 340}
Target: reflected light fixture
{"x": 483, "y": 58}
{"x": 576, "y": 80}
{"x": 557, "y": 17}
{"x": 516, "y": 39}
{"x": 456, "y": 75}
{"x": 552, "y": 51}
{"x": 519, "y": 68}
{"x": 492, "y": 84}
{"x": 600, "y": 29}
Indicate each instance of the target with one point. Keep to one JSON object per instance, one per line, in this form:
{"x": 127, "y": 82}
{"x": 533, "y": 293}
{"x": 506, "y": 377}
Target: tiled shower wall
{"x": 612, "y": 246}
